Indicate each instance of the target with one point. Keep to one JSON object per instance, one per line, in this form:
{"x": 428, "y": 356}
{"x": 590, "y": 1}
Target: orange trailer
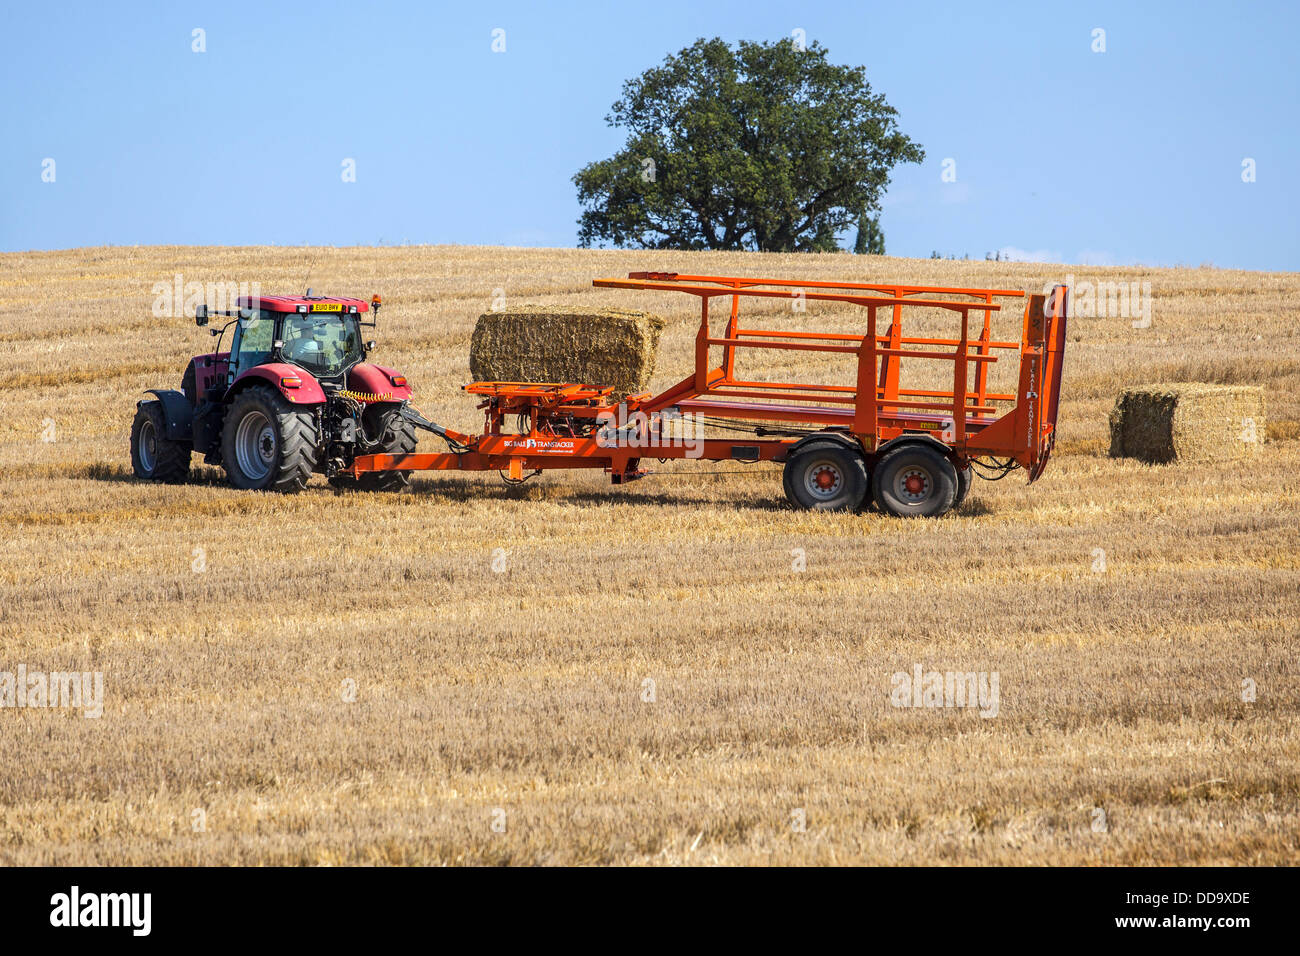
{"x": 844, "y": 445}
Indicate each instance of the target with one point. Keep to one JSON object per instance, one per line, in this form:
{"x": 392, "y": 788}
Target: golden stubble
{"x": 579, "y": 673}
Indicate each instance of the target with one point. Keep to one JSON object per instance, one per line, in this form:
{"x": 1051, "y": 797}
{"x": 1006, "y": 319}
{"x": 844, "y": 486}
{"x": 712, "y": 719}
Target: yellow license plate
{"x": 327, "y": 306}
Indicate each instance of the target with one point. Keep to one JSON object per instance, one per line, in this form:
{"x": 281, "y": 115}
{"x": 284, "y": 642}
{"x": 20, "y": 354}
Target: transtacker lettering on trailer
{"x": 533, "y": 444}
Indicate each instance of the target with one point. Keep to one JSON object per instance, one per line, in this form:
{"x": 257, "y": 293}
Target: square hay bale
{"x": 533, "y": 343}
{"x": 1187, "y": 421}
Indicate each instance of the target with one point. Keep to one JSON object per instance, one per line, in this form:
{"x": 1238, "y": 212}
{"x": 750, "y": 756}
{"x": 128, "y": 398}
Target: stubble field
{"x": 645, "y": 677}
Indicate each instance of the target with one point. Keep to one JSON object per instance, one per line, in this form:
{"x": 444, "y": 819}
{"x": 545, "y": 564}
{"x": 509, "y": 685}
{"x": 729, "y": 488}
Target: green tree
{"x": 766, "y": 147}
{"x": 871, "y": 238}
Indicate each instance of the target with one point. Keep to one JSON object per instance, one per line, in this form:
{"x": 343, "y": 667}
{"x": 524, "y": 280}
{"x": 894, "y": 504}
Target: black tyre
{"x": 965, "y": 478}
{"x": 915, "y": 481}
{"x": 268, "y": 444}
{"x": 826, "y": 476}
{"x": 398, "y": 439}
{"x": 153, "y": 456}
{"x": 396, "y": 436}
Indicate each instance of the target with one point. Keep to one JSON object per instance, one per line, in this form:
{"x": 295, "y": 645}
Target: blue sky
{"x": 1061, "y": 153}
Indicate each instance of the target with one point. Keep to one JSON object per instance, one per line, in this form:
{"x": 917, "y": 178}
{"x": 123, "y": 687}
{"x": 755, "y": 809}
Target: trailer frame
{"x": 574, "y": 425}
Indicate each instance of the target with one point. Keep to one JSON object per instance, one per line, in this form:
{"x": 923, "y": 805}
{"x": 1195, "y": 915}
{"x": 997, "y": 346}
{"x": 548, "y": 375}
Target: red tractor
{"x": 294, "y": 395}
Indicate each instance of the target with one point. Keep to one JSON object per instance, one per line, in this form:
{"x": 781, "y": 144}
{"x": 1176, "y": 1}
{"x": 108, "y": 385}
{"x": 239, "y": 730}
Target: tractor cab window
{"x": 323, "y": 343}
{"x": 254, "y": 336}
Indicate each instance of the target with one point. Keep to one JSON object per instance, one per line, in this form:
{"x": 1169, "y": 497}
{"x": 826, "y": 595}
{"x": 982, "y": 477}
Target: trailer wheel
{"x": 825, "y": 476}
{"x": 965, "y": 478}
{"x": 154, "y": 457}
{"x": 266, "y": 443}
{"x": 915, "y": 481}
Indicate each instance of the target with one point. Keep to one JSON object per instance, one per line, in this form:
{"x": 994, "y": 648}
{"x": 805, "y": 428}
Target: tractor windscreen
{"x": 323, "y": 343}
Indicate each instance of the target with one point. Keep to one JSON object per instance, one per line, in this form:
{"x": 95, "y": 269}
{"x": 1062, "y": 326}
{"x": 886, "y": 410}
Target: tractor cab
{"x": 320, "y": 336}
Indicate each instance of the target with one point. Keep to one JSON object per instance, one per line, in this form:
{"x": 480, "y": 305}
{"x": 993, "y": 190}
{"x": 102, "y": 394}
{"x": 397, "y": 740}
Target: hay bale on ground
{"x": 532, "y": 343}
{"x": 1187, "y": 421}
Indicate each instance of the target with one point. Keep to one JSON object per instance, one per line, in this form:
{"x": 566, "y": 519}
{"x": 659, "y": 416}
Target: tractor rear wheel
{"x": 396, "y": 437}
{"x": 825, "y": 476}
{"x": 267, "y": 444}
{"x": 915, "y": 481}
{"x": 154, "y": 456}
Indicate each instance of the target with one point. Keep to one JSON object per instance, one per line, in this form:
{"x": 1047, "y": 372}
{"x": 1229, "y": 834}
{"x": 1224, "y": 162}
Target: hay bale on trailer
{"x": 1187, "y": 421}
{"x": 532, "y": 343}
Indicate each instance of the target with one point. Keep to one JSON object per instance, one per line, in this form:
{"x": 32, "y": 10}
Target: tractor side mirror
{"x": 201, "y": 315}
{"x": 370, "y": 346}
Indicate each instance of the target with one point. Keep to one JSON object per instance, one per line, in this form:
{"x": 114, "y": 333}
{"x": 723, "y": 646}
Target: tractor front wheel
{"x": 155, "y": 457}
{"x": 267, "y": 444}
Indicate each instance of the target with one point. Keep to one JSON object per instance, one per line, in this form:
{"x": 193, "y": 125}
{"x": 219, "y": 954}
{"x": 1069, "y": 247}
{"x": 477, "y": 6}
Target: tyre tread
{"x": 171, "y": 458}
{"x": 882, "y": 485}
{"x": 298, "y": 440}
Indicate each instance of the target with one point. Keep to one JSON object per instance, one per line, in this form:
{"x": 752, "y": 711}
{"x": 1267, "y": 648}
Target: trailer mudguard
{"x": 177, "y": 412}
{"x": 842, "y": 438}
{"x": 915, "y": 438}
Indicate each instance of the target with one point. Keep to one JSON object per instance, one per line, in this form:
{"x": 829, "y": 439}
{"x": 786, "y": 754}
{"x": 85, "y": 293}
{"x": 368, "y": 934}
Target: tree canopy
{"x": 767, "y": 146}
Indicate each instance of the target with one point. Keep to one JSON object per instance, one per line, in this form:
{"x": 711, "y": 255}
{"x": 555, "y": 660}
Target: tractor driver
{"x": 317, "y": 341}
